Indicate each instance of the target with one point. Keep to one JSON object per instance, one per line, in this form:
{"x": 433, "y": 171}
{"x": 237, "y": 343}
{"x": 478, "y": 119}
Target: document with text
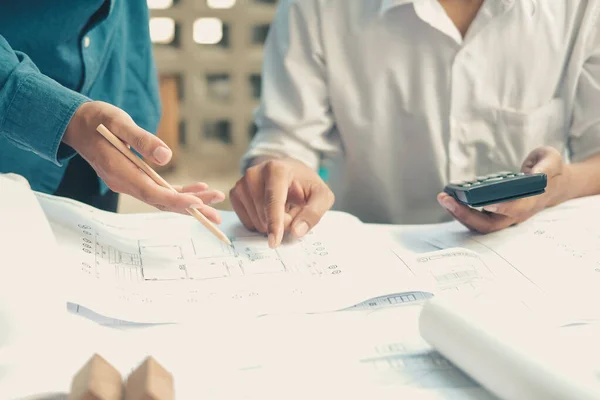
{"x": 164, "y": 267}
{"x": 555, "y": 254}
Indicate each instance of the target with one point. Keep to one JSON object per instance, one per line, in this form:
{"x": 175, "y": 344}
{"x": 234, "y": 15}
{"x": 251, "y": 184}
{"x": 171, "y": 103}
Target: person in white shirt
{"x": 400, "y": 97}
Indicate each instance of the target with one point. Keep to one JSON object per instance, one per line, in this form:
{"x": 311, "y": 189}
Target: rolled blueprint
{"x": 510, "y": 351}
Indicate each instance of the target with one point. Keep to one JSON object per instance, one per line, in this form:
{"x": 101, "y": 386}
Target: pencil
{"x": 141, "y": 164}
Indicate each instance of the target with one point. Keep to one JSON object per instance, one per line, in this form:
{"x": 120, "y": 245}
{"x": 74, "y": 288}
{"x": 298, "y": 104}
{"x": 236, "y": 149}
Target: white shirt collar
{"x": 389, "y": 4}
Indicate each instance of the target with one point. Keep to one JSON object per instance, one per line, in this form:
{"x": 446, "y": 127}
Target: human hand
{"x": 280, "y": 195}
{"x": 499, "y": 216}
{"x": 123, "y": 176}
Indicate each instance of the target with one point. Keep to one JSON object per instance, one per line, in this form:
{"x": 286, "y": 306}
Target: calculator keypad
{"x": 488, "y": 179}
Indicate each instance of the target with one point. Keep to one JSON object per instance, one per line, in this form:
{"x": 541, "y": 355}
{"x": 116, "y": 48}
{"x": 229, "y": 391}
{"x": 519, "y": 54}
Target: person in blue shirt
{"x": 66, "y": 67}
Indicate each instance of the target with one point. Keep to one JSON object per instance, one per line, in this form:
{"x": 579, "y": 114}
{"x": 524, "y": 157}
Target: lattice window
{"x": 215, "y": 49}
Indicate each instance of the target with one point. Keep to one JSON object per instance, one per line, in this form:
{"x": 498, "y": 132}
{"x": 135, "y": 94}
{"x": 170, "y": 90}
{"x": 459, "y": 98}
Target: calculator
{"x": 497, "y": 188}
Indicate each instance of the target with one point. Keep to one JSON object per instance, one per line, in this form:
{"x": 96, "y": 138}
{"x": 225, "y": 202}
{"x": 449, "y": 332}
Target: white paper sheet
{"x": 511, "y": 351}
{"x": 332, "y": 355}
{"x": 166, "y": 267}
{"x": 33, "y": 311}
{"x": 378, "y": 351}
{"x": 343, "y": 354}
{"x": 553, "y": 258}
{"x": 373, "y": 349}
{"x": 28, "y": 254}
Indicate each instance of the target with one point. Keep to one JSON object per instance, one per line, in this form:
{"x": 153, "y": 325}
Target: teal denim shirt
{"x": 55, "y": 55}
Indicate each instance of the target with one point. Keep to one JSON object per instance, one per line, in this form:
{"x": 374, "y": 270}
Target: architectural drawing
{"x": 454, "y": 269}
{"x": 195, "y": 258}
{"x": 424, "y": 369}
{"x": 163, "y": 267}
{"x": 392, "y": 300}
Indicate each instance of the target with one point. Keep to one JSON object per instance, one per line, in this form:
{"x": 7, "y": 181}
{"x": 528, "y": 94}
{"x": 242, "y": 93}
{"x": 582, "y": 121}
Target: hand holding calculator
{"x": 497, "y": 188}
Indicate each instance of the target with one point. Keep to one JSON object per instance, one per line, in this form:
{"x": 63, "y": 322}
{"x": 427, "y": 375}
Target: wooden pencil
{"x": 141, "y": 164}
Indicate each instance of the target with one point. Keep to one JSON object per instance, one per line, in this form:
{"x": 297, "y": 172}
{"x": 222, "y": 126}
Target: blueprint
{"x": 550, "y": 261}
{"x": 164, "y": 267}
{"x": 454, "y": 270}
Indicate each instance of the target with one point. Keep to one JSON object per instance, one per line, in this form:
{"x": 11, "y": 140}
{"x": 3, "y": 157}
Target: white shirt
{"x": 400, "y": 104}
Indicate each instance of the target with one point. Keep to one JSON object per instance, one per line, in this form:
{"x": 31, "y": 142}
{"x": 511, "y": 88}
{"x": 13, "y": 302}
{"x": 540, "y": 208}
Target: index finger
{"x": 277, "y": 184}
{"x": 513, "y": 208}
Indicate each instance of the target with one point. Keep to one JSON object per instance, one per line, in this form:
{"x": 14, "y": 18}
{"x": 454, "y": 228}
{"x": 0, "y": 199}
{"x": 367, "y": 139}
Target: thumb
{"x": 145, "y": 143}
{"x": 543, "y": 160}
{"x": 310, "y": 214}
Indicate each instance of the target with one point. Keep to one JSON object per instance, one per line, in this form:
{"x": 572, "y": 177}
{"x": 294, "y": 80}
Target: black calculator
{"x": 497, "y": 188}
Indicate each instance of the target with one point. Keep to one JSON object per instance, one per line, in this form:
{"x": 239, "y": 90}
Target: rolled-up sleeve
{"x": 34, "y": 109}
{"x": 294, "y": 117}
{"x": 584, "y": 140}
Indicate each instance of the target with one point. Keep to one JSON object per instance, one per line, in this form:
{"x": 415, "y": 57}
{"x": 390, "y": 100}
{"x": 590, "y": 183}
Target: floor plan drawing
{"x": 165, "y": 267}
{"x": 173, "y": 258}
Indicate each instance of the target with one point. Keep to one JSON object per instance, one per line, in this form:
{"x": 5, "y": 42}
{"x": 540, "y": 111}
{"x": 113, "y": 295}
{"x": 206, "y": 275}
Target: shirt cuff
{"x": 585, "y": 145}
{"x": 278, "y": 144}
{"x": 38, "y": 115}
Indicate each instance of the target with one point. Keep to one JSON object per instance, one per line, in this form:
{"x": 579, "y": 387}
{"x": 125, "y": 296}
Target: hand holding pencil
{"x": 159, "y": 180}
{"x": 120, "y": 173}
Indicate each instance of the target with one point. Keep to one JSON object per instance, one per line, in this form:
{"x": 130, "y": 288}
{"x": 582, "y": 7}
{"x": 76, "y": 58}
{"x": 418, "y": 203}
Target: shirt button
{"x": 86, "y": 42}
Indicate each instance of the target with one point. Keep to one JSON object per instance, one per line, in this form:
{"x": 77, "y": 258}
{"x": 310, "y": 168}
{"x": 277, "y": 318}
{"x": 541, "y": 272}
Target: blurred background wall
{"x": 209, "y": 57}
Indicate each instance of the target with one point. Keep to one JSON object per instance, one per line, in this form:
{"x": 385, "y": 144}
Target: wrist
{"x": 80, "y": 122}
{"x": 261, "y": 159}
{"x": 279, "y": 158}
{"x": 567, "y": 189}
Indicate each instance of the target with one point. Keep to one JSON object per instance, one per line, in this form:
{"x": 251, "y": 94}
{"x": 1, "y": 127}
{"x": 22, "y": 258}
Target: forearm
{"x": 583, "y": 178}
{"x": 34, "y": 109}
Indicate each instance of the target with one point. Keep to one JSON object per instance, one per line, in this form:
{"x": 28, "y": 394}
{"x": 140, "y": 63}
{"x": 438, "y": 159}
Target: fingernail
{"x": 449, "y": 205}
{"x": 196, "y": 206}
{"x": 178, "y": 188}
{"x": 219, "y": 196}
{"x": 272, "y": 240}
{"x": 492, "y": 209}
{"x": 300, "y": 229}
{"x": 215, "y": 199}
{"x": 162, "y": 155}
